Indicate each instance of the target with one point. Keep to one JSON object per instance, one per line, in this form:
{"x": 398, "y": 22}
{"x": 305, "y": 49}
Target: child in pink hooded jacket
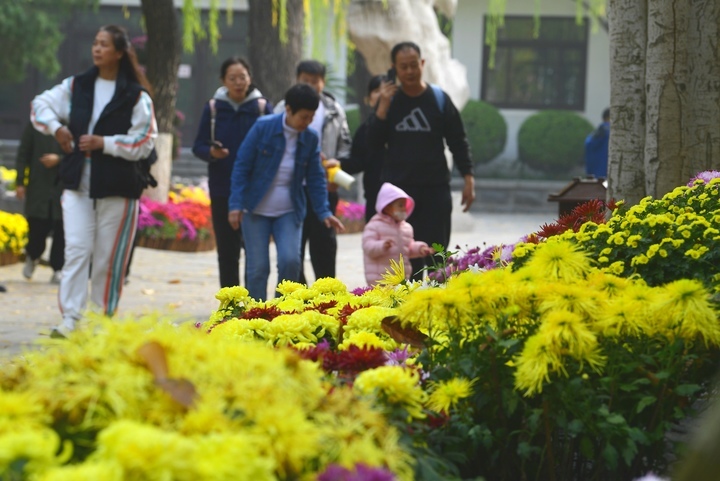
{"x": 387, "y": 235}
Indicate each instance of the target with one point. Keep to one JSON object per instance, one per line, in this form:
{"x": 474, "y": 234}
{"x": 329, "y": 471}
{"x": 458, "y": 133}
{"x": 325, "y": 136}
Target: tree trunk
{"x": 665, "y": 95}
{"x": 273, "y": 62}
{"x": 163, "y": 58}
{"x": 701, "y": 123}
{"x": 628, "y": 32}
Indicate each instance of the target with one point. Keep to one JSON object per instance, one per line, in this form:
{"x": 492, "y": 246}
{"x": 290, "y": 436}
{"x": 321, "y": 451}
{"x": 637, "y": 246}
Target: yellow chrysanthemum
{"x": 288, "y": 287}
{"x": 39, "y": 447}
{"x": 329, "y": 285}
{"x": 566, "y": 331}
{"x": 96, "y": 382}
{"x": 686, "y": 309}
{"x": 368, "y": 319}
{"x": 232, "y": 294}
{"x": 365, "y": 339}
{"x": 446, "y": 394}
{"x": 89, "y": 471}
{"x": 395, "y": 274}
{"x": 534, "y": 365}
{"x": 576, "y": 297}
{"x": 559, "y": 260}
{"x": 398, "y": 386}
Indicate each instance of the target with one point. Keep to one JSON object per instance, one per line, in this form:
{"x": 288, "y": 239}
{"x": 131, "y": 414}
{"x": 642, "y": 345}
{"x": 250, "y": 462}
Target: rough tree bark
{"x": 273, "y": 62}
{"x": 163, "y": 58}
{"x": 628, "y": 37}
{"x": 665, "y": 95}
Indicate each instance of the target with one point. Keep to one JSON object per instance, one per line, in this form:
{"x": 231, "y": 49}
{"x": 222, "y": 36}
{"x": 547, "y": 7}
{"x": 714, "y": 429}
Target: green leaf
{"x": 638, "y": 435}
{"x": 610, "y": 455}
{"x": 525, "y": 450}
{"x": 586, "y": 447}
{"x": 629, "y": 452}
{"x": 645, "y": 402}
{"x": 629, "y": 387}
{"x": 616, "y": 419}
{"x": 687, "y": 389}
{"x": 575, "y": 427}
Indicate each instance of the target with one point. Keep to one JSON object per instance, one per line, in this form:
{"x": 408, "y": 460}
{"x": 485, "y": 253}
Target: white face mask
{"x": 399, "y": 215}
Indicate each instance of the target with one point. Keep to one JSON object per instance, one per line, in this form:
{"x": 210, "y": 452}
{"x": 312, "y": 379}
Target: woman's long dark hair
{"x": 128, "y": 62}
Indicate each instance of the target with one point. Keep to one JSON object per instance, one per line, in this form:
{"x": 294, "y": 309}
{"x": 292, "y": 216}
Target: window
{"x": 547, "y": 71}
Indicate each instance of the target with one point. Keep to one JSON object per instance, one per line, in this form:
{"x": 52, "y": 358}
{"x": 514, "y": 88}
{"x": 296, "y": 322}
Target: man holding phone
{"x": 413, "y": 120}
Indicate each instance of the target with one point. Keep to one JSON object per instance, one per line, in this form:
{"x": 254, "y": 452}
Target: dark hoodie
{"x": 232, "y": 123}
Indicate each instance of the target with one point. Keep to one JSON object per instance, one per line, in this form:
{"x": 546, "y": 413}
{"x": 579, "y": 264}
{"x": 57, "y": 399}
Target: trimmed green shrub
{"x": 486, "y": 130}
{"x": 353, "y": 119}
{"x": 553, "y": 140}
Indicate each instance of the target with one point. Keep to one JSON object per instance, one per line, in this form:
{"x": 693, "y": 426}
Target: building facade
{"x": 198, "y": 74}
{"x": 562, "y": 66}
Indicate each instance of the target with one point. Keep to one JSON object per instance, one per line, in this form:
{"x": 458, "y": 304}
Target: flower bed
{"x": 90, "y": 408}
{"x": 547, "y": 363}
{"x": 13, "y": 237}
{"x": 184, "y": 223}
{"x": 8, "y": 177}
{"x": 352, "y": 215}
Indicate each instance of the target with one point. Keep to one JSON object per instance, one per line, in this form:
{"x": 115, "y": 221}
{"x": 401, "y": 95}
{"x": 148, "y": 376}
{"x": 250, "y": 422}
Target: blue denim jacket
{"x": 257, "y": 163}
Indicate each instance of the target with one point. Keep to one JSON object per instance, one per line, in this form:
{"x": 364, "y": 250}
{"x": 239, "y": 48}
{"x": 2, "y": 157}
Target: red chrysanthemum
{"x": 355, "y": 359}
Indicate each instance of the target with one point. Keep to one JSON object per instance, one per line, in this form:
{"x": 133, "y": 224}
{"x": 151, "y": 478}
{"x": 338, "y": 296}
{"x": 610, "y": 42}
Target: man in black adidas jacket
{"x": 413, "y": 120}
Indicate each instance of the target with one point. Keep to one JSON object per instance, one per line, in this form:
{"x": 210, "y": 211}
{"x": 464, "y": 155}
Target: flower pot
{"x": 7, "y": 258}
{"x": 180, "y": 245}
{"x": 353, "y": 226}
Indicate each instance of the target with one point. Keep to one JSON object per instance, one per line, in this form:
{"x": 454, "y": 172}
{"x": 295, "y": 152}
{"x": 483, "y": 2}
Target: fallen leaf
{"x": 148, "y": 292}
{"x": 406, "y": 335}
{"x": 174, "y": 281}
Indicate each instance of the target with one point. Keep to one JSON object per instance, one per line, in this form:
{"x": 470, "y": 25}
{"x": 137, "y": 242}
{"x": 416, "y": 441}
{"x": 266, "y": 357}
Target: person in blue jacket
{"x": 596, "y": 148}
{"x": 225, "y": 121}
{"x": 278, "y": 156}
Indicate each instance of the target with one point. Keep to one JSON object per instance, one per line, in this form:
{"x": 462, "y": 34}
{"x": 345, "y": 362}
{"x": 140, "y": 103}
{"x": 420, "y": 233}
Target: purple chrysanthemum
{"x": 359, "y": 291}
{"x": 398, "y": 357}
{"x": 706, "y": 176}
{"x": 362, "y": 472}
{"x": 475, "y": 258}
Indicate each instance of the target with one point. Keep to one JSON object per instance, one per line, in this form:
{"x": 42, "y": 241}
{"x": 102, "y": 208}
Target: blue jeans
{"x": 286, "y": 233}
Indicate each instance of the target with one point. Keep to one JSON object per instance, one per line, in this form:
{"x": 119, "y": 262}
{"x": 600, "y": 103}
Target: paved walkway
{"x": 184, "y": 284}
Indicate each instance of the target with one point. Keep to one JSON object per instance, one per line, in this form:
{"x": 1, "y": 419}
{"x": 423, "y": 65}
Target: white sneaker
{"x": 63, "y": 330}
{"x": 29, "y": 267}
{"x": 56, "y": 277}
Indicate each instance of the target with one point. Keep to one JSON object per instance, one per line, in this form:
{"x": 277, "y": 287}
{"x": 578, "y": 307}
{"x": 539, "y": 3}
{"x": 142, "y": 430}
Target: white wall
{"x": 469, "y": 39}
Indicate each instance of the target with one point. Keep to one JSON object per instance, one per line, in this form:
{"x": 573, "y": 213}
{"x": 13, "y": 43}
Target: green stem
{"x": 548, "y": 441}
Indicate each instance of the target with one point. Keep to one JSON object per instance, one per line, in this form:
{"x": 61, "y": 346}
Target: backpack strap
{"x": 439, "y": 97}
{"x": 213, "y": 114}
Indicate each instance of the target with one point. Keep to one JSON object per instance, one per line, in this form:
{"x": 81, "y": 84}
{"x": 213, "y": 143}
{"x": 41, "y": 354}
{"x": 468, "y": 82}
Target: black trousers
{"x": 431, "y": 220}
{"x": 39, "y": 230}
{"x": 229, "y": 242}
{"x": 322, "y": 240}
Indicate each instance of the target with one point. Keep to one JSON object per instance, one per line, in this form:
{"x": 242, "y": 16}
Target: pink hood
{"x": 389, "y": 193}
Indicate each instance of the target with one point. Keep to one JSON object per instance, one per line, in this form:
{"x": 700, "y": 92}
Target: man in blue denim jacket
{"x": 267, "y": 196}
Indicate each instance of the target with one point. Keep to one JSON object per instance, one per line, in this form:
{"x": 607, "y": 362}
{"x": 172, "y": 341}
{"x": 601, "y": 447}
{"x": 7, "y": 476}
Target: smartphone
{"x": 216, "y": 144}
{"x": 391, "y": 75}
